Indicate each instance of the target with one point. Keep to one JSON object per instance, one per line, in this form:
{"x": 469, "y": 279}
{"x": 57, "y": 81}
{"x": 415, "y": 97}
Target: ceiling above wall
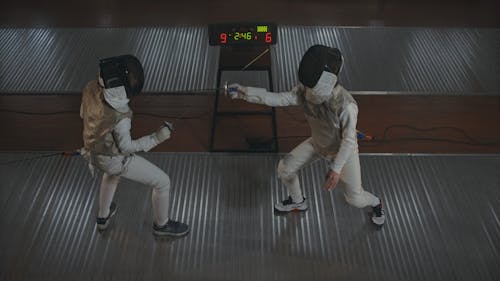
{"x": 127, "y": 13}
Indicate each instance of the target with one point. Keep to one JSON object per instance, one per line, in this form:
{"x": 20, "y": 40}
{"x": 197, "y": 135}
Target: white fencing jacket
{"x": 333, "y": 123}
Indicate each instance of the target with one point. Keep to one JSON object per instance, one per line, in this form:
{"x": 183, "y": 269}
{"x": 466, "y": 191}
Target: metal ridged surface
{"x": 442, "y": 222}
{"x": 378, "y": 59}
{"x": 432, "y": 61}
{"x": 64, "y": 60}
{"x": 251, "y": 78}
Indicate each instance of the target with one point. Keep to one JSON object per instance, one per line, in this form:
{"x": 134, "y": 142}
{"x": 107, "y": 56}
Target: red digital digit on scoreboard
{"x": 223, "y": 38}
{"x": 269, "y": 37}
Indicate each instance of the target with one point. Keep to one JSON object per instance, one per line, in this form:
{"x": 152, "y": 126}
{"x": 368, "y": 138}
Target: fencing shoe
{"x": 288, "y": 205}
{"x": 171, "y": 228}
{"x": 103, "y": 223}
{"x": 378, "y": 216}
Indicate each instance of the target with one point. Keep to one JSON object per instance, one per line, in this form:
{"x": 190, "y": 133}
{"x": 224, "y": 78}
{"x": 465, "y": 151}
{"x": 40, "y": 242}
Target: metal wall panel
{"x": 442, "y": 222}
{"x": 386, "y": 59}
{"x": 378, "y": 59}
{"x": 63, "y": 60}
{"x": 251, "y": 78}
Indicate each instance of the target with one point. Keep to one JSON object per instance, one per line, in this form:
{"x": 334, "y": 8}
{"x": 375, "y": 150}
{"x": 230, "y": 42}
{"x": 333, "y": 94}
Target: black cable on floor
{"x": 385, "y": 139}
{"x": 470, "y": 140}
{"x": 38, "y": 113}
{"x": 32, "y": 158}
{"x": 135, "y": 113}
{"x": 376, "y": 140}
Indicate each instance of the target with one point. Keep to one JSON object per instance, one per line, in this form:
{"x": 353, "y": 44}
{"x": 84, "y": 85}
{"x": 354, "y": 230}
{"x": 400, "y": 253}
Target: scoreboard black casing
{"x": 242, "y": 34}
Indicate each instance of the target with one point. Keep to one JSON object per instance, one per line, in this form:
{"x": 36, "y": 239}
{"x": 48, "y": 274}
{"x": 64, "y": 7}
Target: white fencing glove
{"x": 169, "y": 125}
{"x": 256, "y": 95}
{"x": 162, "y": 134}
{"x": 236, "y": 91}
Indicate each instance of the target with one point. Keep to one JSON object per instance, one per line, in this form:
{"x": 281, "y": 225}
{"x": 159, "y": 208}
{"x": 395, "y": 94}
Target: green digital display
{"x": 262, "y": 28}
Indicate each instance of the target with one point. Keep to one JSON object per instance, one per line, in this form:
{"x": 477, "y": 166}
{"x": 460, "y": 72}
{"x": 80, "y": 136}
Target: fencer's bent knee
{"x": 283, "y": 172}
{"x": 356, "y": 200}
{"x": 162, "y": 182}
{"x": 166, "y": 182}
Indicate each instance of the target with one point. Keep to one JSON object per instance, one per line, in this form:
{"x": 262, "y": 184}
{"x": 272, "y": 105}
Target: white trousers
{"x": 350, "y": 175}
{"x": 140, "y": 170}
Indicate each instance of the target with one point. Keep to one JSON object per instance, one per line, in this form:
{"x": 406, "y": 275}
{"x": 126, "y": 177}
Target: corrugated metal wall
{"x": 442, "y": 222}
{"x": 251, "y": 78}
{"x": 378, "y": 59}
{"x": 63, "y": 60}
{"x": 442, "y": 61}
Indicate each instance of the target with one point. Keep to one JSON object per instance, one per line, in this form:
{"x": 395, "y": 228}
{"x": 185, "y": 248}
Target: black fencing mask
{"x": 317, "y": 59}
{"x": 125, "y": 70}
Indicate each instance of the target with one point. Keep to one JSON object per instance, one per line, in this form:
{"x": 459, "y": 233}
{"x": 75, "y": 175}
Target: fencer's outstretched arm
{"x": 262, "y": 96}
{"x": 348, "y": 121}
{"x": 125, "y": 143}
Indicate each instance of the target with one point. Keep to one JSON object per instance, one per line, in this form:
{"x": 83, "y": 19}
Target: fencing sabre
{"x": 226, "y": 90}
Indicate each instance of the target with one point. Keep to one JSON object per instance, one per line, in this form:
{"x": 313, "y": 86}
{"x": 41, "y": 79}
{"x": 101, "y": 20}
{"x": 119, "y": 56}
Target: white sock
{"x": 293, "y": 186}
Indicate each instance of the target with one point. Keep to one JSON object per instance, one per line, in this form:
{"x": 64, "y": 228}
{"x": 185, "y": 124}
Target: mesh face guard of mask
{"x": 122, "y": 71}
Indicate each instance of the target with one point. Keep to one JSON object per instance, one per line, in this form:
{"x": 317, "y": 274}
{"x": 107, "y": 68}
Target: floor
{"x": 442, "y": 221}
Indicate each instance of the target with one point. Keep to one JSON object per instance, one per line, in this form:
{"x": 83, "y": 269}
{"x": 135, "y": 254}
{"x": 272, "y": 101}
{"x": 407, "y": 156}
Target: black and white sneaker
{"x": 171, "y": 228}
{"x": 103, "y": 223}
{"x": 378, "y": 216}
{"x": 288, "y": 205}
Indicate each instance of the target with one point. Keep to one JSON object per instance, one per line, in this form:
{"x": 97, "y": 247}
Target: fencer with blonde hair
{"x": 109, "y": 147}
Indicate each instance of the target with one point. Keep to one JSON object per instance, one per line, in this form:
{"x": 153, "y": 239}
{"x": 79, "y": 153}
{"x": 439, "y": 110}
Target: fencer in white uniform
{"x": 331, "y": 112}
{"x": 109, "y": 147}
